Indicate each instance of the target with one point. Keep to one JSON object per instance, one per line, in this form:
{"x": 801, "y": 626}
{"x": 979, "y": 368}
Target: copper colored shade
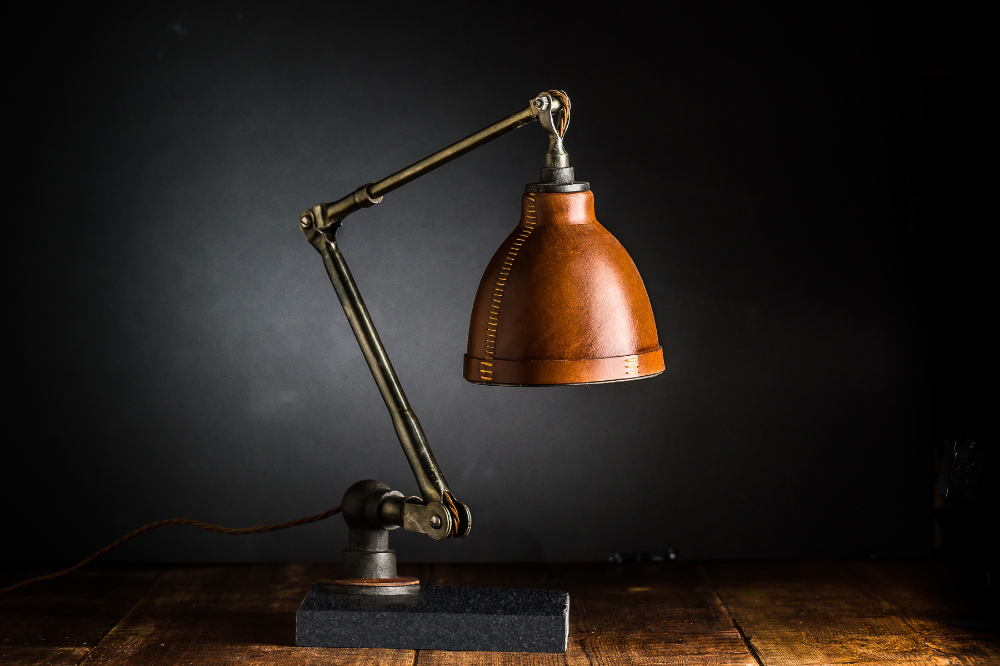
{"x": 561, "y": 303}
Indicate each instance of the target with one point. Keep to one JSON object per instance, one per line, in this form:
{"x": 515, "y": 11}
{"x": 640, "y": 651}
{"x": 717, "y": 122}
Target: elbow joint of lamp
{"x": 323, "y": 220}
{"x": 372, "y": 505}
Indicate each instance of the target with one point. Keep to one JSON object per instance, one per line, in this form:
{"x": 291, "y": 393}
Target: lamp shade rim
{"x": 501, "y": 372}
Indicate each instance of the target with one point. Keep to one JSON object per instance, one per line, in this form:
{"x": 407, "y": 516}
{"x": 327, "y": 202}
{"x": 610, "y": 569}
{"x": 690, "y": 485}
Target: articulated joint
{"x": 310, "y": 222}
{"x": 323, "y": 220}
{"x": 553, "y": 111}
{"x": 371, "y": 505}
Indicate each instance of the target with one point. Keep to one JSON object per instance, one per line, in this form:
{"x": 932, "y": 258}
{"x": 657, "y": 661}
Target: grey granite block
{"x": 438, "y": 618}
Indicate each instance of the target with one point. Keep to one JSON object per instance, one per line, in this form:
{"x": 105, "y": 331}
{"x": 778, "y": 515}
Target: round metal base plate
{"x": 578, "y": 186}
{"x": 371, "y": 586}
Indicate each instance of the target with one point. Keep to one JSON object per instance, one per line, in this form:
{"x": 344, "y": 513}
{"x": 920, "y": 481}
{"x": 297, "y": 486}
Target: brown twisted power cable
{"x": 449, "y": 503}
{"x": 564, "y": 116}
{"x": 177, "y": 521}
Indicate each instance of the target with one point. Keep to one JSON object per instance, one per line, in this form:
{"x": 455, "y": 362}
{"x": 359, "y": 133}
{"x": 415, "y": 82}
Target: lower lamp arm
{"x": 441, "y": 515}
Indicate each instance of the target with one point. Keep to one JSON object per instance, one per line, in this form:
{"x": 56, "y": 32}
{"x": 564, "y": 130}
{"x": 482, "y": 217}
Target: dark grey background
{"x": 178, "y": 350}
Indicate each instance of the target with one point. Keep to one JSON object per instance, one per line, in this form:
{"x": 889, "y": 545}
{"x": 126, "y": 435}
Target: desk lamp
{"x": 560, "y": 303}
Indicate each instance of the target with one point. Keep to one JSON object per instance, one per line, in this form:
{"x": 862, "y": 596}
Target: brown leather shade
{"x": 561, "y": 303}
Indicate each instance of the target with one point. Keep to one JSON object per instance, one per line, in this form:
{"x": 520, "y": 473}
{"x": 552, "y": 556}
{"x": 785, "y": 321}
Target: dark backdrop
{"x": 177, "y": 349}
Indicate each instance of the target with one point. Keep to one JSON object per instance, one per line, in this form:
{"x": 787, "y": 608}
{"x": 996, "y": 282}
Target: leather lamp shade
{"x": 561, "y": 302}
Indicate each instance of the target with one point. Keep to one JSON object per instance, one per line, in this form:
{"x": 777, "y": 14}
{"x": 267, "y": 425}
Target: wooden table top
{"x": 658, "y": 613}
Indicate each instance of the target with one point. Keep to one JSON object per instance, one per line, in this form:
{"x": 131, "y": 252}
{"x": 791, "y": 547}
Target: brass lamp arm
{"x": 439, "y": 515}
{"x": 368, "y": 195}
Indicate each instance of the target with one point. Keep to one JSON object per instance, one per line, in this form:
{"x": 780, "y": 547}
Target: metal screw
{"x": 305, "y": 221}
{"x": 539, "y": 103}
{"x": 435, "y": 522}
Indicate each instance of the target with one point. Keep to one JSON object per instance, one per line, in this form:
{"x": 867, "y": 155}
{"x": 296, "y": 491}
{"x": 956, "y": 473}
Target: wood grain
{"x": 28, "y": 656}
{"x": 823, "y": 613}
{"x": 924, "y": 598}
{"x": 670, "y": 613}
{"x": 59, "y": 621}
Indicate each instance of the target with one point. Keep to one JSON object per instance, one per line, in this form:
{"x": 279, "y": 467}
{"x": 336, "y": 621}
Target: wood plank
{"x": 660, "y": 648}
{"x": 670, "y": 613}
{"x": 926, "y": 600}
{"x": 821, "y": 613}
{"x": 60, "y": 620}
{"x": 29, "y": 656}
{"x": 457, "y": 658}
{"x": 228, "y": 614}
{"x": 619, "y": 614}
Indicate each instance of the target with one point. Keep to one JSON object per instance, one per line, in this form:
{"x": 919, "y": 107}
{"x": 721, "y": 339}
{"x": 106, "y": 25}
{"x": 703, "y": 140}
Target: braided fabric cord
{"x": 177, "y": 521}
{"x": 449, "y": 503}
{"x": 564, "y": 116}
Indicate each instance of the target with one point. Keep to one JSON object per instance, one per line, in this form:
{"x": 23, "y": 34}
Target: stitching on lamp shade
{"x": 493, "y": 314}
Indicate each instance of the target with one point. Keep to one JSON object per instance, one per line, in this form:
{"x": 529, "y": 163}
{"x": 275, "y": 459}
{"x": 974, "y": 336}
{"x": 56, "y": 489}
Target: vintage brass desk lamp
{"x": 559, "y": 303}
